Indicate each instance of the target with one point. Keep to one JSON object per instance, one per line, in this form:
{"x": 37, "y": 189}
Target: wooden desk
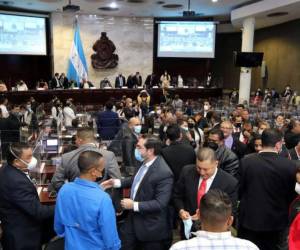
{"x": 44, "y": 195}
{"x": 100, "y": 96}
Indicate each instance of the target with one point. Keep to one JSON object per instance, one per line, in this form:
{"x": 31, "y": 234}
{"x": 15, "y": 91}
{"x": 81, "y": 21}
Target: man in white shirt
{"x": 216, "y": 220}
{"x": 69, "y": 115}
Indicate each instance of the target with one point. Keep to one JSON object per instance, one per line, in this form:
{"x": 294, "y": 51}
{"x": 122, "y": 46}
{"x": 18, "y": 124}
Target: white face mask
{"x": 30, "y": 165}
{"x": 297, "y": 188}
{"x": 260, "y": 131}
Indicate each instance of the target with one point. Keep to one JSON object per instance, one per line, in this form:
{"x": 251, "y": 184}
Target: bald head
{"x": 134, "y": 121}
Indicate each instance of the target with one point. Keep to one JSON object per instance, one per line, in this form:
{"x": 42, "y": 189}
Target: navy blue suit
{"x": 152, "y": 224}
{"x": 108, "y": 124}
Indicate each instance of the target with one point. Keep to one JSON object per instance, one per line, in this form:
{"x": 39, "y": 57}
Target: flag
{"x": 77, "y": 63}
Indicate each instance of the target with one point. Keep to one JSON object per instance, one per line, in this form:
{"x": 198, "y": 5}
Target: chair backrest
{"x": 56, "y": 244}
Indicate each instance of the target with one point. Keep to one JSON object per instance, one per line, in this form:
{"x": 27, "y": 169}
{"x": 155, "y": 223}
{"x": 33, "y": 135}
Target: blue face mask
{"x": 138, "y": 155}
{"x": 137, "y": 129}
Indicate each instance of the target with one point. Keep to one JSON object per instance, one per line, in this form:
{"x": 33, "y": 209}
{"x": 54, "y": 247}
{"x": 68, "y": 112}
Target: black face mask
{"x": 238, "y": 125}
{"x": 191, "y": 125}
{"x": 214, "y": 146}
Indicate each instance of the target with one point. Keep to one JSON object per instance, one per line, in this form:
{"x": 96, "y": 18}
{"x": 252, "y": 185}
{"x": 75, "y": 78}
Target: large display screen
{"x": 22, "y": 35}
{"x": 188, "y": 39}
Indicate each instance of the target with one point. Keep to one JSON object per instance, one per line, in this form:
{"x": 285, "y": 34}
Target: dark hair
{"x": 240, "y": 106}
{"x": 15, "y": 151}
{"x": 205, "y": 154}
{"x": 88, "y": 160}
{"x": 256, "y": 137}
{"x": 109, "y": 105}
{"x": 173, "y": 132}
{"x": 2, "y": 99}
{"x": 219, "y": 132}
{"x": 292, "y": 124}
{"x": 270, "y": 137}
{"x": 153, "y": 142}
{"x": 215, "y": 207}
{"x": 85, "y": 133}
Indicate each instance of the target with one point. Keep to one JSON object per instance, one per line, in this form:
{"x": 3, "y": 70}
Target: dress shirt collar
{"x": 212, "y": 235}
{"x": 229, "y": 142}
{"x": 149, "y": 163}
{"x": 212, "y": 177}
{"x": 90, "y": 144}
{"x": 87, "y": 183}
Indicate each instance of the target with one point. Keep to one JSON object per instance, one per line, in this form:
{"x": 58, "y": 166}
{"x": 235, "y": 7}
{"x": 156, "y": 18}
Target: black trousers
{"x": 129, "y": 240}
{"x": 270, "y": 240}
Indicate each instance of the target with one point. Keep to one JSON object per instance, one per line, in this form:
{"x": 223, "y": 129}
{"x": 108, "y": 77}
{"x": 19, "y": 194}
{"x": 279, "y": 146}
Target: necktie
{"x": 137, "y": 179}
{"x": 201, "y": 191}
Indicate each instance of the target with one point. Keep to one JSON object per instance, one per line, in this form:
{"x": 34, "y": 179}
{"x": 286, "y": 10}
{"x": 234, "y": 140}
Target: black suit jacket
{"x": 21, "y": 212}
{"x": 178, "y": 155}
{"x": 239, "y": 148}
{"x": 117, "y": 82}
{"x": 53, "y": 83}
{"x": 129, "y": 141}
{"x": 137, "y": 81}
{"x": 186, "y": 188}
{"x": 267, "y": 183}
{"x": 152, "y": 222}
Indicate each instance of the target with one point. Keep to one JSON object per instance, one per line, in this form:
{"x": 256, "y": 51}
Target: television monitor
{"x": 22, "y": 35}
{"x": 51, "y": 145}
{"x": 248, "y": 59}
{"x": 186, "y": 39}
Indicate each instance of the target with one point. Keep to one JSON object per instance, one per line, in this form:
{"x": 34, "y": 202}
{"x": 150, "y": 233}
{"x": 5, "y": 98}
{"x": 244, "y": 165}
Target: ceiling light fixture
{"x": 113, "y": 5}
{"x": 214, "y": 1}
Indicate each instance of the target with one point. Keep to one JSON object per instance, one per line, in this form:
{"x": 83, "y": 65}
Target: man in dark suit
{"x": 108, "y": 122}
{"x": 137, "y": 80}
{"x": 120, "y": 81}
{"x": 150, "y": 81}
{"x": 266, "y": 190}
{"x": 21, "y": 212}
{"x": 130, "y": 81}
{"x": 148, "y": 225}
{"x": 64, "y": 81}
{"x": 177, "y": 154}
{"x": 232, "y": 142}
{"x": 228, "y": 161}
{"x": 196, "y": 180}
{"x": 55, "y": 83}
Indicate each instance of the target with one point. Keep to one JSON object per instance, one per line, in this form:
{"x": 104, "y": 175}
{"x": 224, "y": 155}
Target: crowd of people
{"x": 201, "y": 170}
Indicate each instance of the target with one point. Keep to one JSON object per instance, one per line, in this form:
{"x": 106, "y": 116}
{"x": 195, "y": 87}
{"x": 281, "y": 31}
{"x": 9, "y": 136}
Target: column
{"x": 247, "y": 46}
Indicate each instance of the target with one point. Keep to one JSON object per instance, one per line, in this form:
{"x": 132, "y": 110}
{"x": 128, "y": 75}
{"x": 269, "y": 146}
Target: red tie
{"x": 201, "y": 191}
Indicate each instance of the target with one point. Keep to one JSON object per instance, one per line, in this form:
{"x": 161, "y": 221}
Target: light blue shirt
{"x": 85, "y": 216}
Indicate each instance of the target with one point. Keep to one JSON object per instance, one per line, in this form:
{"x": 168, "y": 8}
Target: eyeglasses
{"x": 226, "y": 128}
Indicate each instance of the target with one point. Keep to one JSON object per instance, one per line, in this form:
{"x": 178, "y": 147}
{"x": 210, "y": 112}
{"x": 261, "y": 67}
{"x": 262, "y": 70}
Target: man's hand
{"x": 184, "y": 215}
{"x": 127, "y": 204}
{"x": 196, "y": 216}
{"x": 107, "y": 184}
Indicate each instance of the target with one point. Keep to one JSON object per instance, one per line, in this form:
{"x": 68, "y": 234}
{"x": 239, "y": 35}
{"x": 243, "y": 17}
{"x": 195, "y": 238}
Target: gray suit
{"x": 68, "y": 169}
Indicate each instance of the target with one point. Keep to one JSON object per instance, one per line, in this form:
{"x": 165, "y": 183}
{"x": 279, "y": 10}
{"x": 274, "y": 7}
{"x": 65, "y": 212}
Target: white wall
{"x": 133, "y": 38}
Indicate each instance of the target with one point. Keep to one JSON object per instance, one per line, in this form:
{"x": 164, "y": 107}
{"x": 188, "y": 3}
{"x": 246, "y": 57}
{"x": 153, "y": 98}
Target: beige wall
{"x": 133, "y": 38}
{"x": 281, "y": 47}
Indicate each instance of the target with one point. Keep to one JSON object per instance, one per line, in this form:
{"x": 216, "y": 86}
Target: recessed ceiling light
{"x": 214, "y": 1}
{"x": 113, "y": 5}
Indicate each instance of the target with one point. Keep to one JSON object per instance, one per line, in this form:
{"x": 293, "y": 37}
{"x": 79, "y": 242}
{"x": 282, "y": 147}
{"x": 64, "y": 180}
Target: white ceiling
{"x": 262, "y": 9}
{"x": 147, "y": 8}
